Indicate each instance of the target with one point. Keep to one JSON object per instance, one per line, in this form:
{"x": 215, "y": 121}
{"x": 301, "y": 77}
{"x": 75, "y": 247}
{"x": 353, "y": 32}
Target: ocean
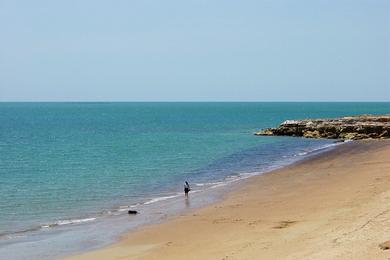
{"x": 70, "y": 171}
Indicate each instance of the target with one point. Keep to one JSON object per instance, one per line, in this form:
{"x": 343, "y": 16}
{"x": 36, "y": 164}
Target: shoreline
{"x": 239, "y": 217}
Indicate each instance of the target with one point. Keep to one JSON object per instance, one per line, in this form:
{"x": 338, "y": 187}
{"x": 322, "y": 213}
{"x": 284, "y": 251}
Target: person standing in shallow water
{"x": 186, "y": 189}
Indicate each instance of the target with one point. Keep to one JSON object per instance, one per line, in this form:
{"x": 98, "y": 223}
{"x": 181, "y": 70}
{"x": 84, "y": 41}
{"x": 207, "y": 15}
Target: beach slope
{"x": 332, "y": 206}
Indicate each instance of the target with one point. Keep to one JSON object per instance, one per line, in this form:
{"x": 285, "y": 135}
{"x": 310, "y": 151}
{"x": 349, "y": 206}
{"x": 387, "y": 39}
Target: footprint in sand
{"x": 254, "y": 223}
{"x": 285, "y": 224}
{"x": 235, "y": 206}
{"x": 226, "y": 220}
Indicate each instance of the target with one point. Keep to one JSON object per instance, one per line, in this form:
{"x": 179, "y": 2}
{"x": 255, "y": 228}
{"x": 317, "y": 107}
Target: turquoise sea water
{"x": 67, "y": 167}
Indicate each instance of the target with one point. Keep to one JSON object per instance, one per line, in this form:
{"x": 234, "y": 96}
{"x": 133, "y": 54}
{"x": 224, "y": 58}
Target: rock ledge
{"x": 351, "y": 127}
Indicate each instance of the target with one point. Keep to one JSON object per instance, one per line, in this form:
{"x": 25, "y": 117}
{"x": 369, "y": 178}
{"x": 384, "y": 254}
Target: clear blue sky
{"x": 194, "y": 50}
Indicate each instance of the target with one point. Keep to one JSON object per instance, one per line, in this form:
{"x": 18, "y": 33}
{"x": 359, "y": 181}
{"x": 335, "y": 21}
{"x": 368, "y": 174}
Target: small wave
{"x": 134, "y": 205}
{"x": 122, "y": 208}
{"x": 234, "y": 178}
{"x": 9, "y": 235}
{"x": 127, "y": 207}
{"x": 320, "y": 148}
{"x": 207, "y": 184}
{"x": 227, "y": 180}
{"x": 154, "y": 200}
{"x": 68, "y": 222}
{"x": 212, "y": 185}
{"x": 245, "y": 175}
{"x": 19, "y": 233}
{"x": 219, "y": 185}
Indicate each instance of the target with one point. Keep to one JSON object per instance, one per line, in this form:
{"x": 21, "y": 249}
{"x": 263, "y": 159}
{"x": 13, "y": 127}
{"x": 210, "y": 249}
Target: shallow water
{"x": 70, "y": 171}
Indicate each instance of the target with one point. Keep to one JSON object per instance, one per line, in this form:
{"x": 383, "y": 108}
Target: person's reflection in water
{"x": 186, "y": 191}
{"x": 187, "y": 202}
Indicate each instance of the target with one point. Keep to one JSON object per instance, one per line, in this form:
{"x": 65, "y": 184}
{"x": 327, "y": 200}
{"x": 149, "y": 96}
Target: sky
{"x": 195, "y": 50}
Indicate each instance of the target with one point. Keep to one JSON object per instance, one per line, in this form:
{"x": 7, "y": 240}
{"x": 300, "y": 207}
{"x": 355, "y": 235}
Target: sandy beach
{"x": 332, "y": 206}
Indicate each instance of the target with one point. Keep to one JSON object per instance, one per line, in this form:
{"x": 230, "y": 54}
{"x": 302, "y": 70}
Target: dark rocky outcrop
{"x": 351, "y": 127}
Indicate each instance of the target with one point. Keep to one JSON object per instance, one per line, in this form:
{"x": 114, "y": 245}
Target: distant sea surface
{"x": 70, "y": 171}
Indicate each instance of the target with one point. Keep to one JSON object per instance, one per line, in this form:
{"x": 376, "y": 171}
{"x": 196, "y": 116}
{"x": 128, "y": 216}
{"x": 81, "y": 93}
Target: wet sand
{"x": 332, "y": 206}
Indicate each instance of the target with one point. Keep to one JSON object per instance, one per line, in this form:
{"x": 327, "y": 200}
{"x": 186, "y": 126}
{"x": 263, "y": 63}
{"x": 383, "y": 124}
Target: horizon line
{"x": 195, "y": 101}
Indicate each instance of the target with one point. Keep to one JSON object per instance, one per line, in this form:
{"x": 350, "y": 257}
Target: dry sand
{"x": 333, "y": 206}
